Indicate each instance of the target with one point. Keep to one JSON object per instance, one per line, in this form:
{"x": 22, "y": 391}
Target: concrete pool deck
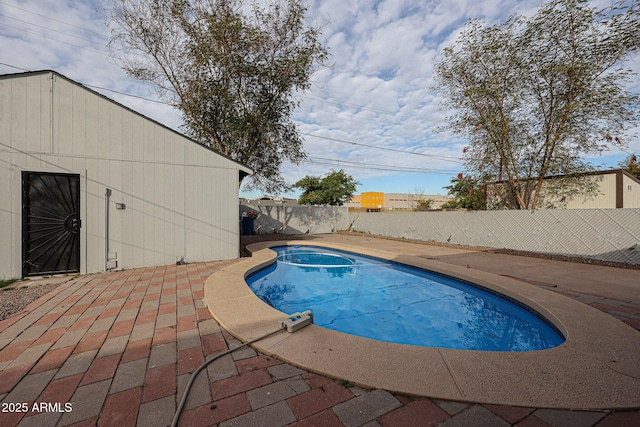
{"x": 598, "y": 367}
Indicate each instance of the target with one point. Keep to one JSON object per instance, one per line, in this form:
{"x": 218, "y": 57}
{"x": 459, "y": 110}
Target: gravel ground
{"x": 13, "y": 301}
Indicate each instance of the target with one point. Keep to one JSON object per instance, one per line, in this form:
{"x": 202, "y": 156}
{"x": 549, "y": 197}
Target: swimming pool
{"x": 599, "y": 350}
{"x": 392, "y": 302}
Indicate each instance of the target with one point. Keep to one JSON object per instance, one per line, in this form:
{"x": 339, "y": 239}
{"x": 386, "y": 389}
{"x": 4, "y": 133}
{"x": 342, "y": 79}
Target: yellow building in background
{"x": 372, "y": 201}
{"x": 376, "y": 201}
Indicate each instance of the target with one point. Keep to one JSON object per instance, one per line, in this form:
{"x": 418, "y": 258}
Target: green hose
{"x": 174, "y": 423}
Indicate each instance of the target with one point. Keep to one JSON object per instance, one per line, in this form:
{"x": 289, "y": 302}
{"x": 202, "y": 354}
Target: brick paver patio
{"x": 117, "y": 349}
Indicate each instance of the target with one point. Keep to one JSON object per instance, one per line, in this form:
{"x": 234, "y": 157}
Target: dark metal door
{"x": 50, "y": 223}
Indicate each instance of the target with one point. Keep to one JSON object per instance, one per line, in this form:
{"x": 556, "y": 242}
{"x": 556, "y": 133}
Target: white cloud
{"x": 377, "y": 91}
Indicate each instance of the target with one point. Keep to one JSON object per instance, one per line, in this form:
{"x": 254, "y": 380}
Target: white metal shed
{"x": 88, "y": 185}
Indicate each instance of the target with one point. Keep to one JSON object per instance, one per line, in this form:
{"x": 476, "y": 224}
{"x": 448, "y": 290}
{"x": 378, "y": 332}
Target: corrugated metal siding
{"x": 604, "y": 198}
{"x": 181, "y": 199}
{"x": 604, "y": 234}
{"x": 630, "y": 193}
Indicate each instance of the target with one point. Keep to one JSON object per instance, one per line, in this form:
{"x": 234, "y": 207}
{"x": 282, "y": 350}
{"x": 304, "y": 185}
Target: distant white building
{"x": 90, "y": 185}
{"x": 266, "y": 200}
{"x": 410, "y": 201}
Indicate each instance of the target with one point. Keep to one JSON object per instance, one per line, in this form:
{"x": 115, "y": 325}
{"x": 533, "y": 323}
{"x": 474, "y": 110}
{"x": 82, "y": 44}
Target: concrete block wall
{"x": 602, "y": 234}
{"x": 299, "y": 219}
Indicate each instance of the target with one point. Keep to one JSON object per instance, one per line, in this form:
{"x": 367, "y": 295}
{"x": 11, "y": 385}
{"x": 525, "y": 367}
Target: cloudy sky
{"x": 371, "y": 113}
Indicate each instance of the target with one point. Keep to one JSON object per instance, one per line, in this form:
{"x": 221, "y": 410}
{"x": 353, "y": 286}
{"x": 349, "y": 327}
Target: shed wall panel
{"x": 630, "y": 192}
{"x": 137, "y": 139}
{"x": 115, "y": 216}
{"x": 114, "y": 143}
{"x": 180, "y": 231}
{"x": 148, "y": 142}
{"x": 93, "y": 219}
{"x": 81, "y": 145}
{"x": 126, "y": 121}
{"x": 170, "y": 201}
{"x": 62, "y": 124}
{"x": 33, "y": 117}
{"x": 18, "y": 116}
{"x": 100, "y": 126}
{"x": 9, "y": 210}
{"x": 161, "y": 208}
{"x": 126, "y": 218}
{"x": 147, "y": 220}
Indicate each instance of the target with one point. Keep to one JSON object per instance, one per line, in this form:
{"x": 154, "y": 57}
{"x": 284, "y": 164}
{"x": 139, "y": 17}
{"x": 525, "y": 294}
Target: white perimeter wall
{"x": 299, "y": 219}
{"x": 181, "y": 199}
{"x": 602, "y": 234}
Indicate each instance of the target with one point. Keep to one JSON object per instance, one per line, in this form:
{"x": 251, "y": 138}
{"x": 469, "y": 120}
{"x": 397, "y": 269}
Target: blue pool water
{"x": 391, "y": 302}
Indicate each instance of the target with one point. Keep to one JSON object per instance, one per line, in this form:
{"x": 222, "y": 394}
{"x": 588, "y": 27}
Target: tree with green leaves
{"x": 334, "y": 189}
{"x": 232, "y": 67}
{"x": 468, "y": 192}
{"x": 534, "y": 96}
{"x": 424, "y": 204}
{"x": 631, "y": 165}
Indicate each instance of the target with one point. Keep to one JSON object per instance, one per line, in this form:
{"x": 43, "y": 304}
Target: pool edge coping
{"x": 547, "y": 378}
